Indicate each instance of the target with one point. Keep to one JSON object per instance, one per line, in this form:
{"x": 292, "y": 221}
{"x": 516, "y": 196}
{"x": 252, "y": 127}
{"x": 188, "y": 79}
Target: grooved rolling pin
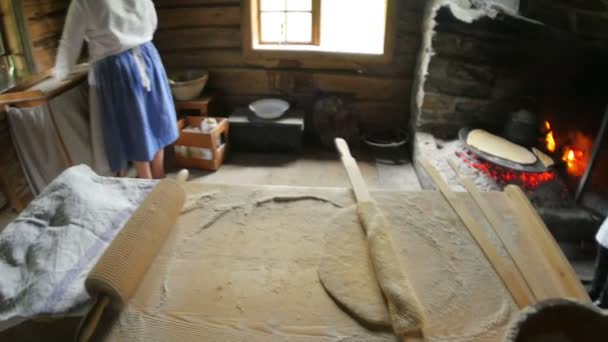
{"x": 119, "y": 271}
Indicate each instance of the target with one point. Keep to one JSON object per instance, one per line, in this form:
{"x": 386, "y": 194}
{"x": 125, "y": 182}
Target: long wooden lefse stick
{"x": 403, "y": 306}
{"x": 492, "y": 218}
{"x": 557, "y": 261}
{"x": 354, "y": 174}
{"x": 519, "y": 293}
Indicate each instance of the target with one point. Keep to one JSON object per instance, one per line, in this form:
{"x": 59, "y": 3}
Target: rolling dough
{"x": 347, "y": 274}
{"x": 500, "y": 147}
{"x": 403, "y": 306}
{"x": 362, "y": 272}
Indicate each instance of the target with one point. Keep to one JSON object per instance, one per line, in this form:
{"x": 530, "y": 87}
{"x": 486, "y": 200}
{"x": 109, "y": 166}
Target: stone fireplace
{"x": 482, "y": 61}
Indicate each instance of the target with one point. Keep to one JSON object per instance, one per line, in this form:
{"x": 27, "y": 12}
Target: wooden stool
{"x": 197, "y": 107}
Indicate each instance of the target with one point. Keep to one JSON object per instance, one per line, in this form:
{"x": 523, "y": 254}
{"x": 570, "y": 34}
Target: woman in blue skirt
{"x": 137, "y": 112}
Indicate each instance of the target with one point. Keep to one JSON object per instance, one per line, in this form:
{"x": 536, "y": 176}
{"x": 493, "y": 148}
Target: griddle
{"x": 537, "y": 167}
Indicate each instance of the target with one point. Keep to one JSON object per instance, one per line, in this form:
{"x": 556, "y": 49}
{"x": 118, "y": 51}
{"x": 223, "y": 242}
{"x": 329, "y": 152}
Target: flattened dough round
{"x": 500, "y": 147}
{"x": 347, "y": 274}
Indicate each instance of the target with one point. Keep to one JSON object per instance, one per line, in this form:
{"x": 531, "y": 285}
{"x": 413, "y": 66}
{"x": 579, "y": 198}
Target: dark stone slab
{"x": 252, "y": 134}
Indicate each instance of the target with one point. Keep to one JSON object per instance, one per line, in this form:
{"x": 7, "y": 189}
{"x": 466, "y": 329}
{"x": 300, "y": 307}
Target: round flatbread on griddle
{"x": 499, "y": 147}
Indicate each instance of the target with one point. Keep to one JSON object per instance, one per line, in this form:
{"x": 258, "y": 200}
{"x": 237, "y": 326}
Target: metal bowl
{"x": 269, "y": 109}
{"x": 387, "y": 147}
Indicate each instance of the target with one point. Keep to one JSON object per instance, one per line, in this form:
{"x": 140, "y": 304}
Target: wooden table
{"x": 241, "y": 264}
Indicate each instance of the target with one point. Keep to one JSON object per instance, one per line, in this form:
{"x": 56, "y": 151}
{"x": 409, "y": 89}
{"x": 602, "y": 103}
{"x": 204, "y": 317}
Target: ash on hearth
{"x": 486, "y": 175}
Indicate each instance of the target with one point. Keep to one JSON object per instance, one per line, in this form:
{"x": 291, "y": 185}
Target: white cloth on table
{"x": 48, "y": 251}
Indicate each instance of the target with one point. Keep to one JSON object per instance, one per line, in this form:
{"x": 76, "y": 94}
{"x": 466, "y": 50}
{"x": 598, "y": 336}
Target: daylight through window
{"x": 344, "y": 26}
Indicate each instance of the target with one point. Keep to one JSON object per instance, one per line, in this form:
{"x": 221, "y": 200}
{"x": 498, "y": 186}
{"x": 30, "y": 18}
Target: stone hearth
{"x": 483, "y": 60}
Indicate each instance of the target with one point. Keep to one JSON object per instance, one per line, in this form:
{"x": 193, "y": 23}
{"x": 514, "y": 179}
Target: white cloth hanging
{"x": 37, "y": 146}
{"x": 37, "y": 142}
{"x": 100, "y": 162}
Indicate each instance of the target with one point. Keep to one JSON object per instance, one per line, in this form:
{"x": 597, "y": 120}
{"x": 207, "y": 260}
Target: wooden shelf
{"x": 202, "y": 106}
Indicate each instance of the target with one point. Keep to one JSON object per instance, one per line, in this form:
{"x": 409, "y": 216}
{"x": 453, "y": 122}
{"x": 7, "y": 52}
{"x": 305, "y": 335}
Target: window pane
{"x": 299, "y": 5}
{"x": 273, "y": 5}
{"x": 299, "y": 27}
{"x": 361, "y": 28}
{"x": 273, "y": 27}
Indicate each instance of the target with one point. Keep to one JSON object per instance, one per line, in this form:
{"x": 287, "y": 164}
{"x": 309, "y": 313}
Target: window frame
{"x": 313, "y": 58}
{"x": 315, "y": 33}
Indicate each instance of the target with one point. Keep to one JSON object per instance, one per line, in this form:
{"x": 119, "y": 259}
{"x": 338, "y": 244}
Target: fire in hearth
{"x": 573, "y": 150}
{"x": 549, "y": 137}
{"x": 575, "y": 161}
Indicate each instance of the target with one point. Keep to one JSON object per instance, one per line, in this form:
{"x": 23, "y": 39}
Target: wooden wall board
{"x": 199, "y": 16}
{"x": 44, "y": 21}
{"x": 207, "y": 34}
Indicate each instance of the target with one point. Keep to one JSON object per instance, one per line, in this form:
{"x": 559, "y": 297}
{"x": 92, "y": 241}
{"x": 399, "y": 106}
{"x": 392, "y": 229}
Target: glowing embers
{"x": 504, "y": 176}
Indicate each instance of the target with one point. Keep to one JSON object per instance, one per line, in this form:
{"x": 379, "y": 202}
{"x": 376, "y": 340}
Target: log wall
{"x": 45, "y": 20}
{"x": 208, "y": 34}
{"x": 44, "y": 23}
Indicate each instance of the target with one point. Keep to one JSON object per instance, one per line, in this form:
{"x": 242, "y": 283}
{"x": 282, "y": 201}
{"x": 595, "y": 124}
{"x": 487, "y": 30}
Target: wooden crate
{"x": 202, "y": 140}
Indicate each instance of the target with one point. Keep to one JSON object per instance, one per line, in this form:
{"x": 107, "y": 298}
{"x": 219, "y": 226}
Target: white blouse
{"x": 109, "y": 27}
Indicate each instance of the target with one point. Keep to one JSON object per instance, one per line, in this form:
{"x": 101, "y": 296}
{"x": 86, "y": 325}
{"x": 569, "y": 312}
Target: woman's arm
{"x": 72, "y": 39}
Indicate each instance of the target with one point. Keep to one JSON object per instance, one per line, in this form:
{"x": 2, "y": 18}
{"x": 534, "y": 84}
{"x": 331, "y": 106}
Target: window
{"x": 289, "y": 22}
{"x": 361, "y": 27}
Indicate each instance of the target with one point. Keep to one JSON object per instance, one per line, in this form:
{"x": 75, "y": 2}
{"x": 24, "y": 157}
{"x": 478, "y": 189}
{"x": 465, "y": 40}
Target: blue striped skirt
{"x": 137, "y": 110}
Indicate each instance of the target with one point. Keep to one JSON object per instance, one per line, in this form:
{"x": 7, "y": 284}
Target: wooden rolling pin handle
{"x": 342, "y": 148}
{"x": 92, "y": 319}
{"x": 182, "y": 176}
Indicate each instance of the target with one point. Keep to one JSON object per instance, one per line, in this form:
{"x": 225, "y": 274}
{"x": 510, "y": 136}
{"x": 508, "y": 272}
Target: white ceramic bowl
{"x": 269, "y": 109}
{"x": 188, "y": 85}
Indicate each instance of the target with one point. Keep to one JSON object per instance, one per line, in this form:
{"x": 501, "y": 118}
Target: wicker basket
{"x": 188, "y": 85}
